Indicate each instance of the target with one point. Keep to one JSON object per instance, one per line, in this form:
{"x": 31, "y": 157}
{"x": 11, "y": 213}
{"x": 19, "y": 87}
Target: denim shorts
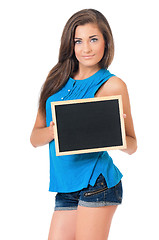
{"x": 93, "y": 196}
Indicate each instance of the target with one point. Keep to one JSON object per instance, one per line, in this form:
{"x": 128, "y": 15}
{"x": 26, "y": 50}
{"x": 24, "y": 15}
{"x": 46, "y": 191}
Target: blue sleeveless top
{"x": 70, "y": 173}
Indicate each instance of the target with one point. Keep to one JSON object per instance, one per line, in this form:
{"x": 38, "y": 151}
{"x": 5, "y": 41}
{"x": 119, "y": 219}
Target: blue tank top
{"x": 70, "y": 173}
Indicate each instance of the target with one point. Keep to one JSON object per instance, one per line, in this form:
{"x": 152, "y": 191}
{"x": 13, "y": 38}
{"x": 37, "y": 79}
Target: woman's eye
{"x": 94, "y": 39}
{"x": 78, "y": 41}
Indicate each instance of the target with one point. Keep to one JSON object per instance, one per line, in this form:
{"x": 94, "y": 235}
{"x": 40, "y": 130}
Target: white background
{"x": 30, "y": 39}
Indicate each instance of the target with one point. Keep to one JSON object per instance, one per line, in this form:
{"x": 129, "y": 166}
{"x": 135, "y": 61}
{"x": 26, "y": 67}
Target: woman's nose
{"x": 86, "y": 48}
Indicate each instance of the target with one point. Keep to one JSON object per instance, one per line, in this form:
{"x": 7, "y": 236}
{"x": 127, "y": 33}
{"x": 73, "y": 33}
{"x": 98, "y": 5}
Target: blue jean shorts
{"x": 98, "y": 195}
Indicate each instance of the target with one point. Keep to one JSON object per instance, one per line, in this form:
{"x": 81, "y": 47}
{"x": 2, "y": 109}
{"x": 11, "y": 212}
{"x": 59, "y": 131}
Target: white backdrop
{"x": 30, "y": 39}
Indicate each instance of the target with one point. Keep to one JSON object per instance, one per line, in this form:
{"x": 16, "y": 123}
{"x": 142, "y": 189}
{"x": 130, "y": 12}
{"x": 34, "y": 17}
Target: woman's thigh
{"x": 94, "y": 223}
{"x": 63, "y": 225}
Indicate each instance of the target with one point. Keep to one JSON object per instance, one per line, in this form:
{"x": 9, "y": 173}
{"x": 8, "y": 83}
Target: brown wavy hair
{"x": 67, "y": 64}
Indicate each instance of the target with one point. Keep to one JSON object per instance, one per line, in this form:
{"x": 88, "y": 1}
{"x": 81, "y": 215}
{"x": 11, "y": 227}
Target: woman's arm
{"x": 41, "y": 134}
{"x": 115, "y": 86}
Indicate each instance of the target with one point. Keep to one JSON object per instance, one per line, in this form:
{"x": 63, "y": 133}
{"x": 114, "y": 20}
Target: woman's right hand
{"x": 51, "y": 127}
{"x": 41, "y": 134}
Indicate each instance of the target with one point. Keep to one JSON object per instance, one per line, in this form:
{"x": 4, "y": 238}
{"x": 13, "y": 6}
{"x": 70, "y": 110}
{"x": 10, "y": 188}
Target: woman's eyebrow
{"x": 93, "y": 36}
{"x": 78, "y": 38}
{"x": 89, "y": 37}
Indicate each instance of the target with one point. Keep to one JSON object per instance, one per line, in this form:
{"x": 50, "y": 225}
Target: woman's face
{"x": 89, "y": 45}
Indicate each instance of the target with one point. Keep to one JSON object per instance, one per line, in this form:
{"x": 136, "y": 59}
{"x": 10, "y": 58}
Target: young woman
{"x": 88, "y": 186}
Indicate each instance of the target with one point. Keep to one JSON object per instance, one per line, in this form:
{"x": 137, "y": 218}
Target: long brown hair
{"x": 67, "y": 63}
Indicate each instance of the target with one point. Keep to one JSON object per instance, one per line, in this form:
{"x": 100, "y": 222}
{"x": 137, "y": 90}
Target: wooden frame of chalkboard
{"x": 88, "y": 125}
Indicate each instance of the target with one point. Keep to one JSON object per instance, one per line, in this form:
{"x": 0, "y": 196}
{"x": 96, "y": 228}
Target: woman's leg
{"x": 94, "y": 223}
{"x": 63, "y": 225}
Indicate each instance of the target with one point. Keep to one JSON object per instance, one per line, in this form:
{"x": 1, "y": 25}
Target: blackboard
{"x": 88, "y": 125}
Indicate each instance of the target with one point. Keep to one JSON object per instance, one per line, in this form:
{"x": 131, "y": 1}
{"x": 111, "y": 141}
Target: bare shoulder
{"x": 114, "y": 86}
{"x": 116, "y": 83}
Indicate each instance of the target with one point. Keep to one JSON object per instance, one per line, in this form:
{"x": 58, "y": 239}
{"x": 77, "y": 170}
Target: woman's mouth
{"x": 88, "y": 56}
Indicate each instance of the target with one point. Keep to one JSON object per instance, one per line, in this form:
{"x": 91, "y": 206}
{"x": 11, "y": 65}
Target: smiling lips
{"x": 88, "y": 56}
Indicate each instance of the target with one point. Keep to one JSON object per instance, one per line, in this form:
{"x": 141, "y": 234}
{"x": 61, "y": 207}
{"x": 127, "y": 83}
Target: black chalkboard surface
{"x": 88, "y": 125}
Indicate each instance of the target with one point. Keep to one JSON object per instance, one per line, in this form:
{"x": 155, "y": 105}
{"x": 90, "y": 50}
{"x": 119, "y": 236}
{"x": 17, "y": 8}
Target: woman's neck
{"x": 85, "y": 72}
